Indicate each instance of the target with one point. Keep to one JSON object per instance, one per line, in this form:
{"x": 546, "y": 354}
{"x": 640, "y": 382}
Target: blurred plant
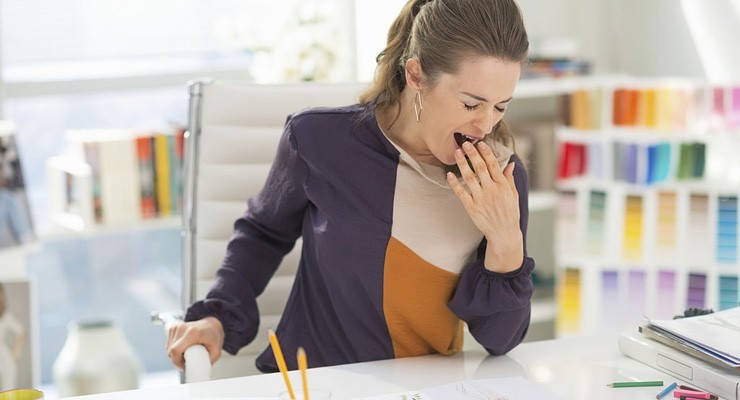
{"x": 296, "y": 41}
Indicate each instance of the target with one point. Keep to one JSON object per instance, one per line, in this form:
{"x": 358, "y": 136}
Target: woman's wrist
{"x": 504, "y": 259}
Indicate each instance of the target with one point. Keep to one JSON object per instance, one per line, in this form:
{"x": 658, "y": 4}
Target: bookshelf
{"x": 116, "y": 178}
{"x": 647, "y": 215}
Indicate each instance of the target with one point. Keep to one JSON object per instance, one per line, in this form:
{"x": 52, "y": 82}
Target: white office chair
{"x": 234, "y": 128}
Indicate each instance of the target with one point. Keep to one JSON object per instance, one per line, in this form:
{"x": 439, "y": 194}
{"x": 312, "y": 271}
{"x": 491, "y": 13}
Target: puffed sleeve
{"x": 262, "y": 237}
{"x": 497, "y": 306}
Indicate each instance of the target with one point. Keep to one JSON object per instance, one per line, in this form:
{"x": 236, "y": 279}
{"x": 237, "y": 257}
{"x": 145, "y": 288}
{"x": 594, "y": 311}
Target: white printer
{"x": 724, "y": 382}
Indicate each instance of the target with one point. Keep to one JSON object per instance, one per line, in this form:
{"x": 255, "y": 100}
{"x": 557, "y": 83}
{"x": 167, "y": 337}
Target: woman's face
{"x": 465, "y": 105}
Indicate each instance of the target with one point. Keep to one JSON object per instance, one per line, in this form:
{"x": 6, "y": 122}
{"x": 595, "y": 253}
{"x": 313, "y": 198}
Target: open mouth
{"x": 460, "y": 139}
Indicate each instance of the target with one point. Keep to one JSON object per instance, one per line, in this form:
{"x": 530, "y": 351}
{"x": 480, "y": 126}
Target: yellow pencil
{"x": 280, "y": 361}
{"x": 302, "y": 365}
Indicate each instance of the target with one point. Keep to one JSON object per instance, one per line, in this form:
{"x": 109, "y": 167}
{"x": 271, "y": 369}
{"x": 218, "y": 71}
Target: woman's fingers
{"x": 459, "y": 190}
{"x": 479, "y": 163}
{"x": 492, "y": 166}
{"x": 175, "y": 348}
{"x": 509, "y": 174}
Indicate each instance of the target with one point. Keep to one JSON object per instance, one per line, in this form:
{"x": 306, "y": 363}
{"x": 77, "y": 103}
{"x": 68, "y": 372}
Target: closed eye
{"x": 475, "y": 107}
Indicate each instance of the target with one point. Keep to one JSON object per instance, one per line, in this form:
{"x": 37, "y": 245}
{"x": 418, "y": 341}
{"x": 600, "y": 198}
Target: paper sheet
{"x": 716, "y": 334}
{"x": 516, "y": 388}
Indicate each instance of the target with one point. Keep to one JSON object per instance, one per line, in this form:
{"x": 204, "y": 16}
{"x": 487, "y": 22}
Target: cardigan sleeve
{"x": 261, "y": 238}
{"x": 497, "y": 306}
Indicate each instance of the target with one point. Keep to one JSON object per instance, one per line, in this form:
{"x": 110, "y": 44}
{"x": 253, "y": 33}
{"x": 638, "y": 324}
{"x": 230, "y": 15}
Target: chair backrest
{"x": 233, "y": 134}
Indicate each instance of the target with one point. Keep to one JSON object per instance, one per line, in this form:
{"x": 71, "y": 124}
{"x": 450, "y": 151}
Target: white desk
{"x": 577, "y": 368}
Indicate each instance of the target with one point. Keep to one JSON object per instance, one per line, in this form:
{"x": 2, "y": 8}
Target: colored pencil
{"x": 667, "y": 390}
{"x": 635, "y": 384}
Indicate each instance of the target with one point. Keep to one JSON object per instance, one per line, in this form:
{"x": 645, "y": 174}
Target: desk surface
{"x": 576, "y": 368}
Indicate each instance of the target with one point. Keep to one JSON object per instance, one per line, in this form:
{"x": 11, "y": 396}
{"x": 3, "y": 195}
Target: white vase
{"x": 95, "y": 358}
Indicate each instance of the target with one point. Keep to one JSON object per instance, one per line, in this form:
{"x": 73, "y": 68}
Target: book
{"x": 119, "y": 180}
{"x": 162, "y": 173}
{"x": 145, "y": 158}
{"x": 661, "y": 336}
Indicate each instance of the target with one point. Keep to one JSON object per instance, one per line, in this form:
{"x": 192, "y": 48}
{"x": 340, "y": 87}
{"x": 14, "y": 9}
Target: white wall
{"x": 636, "y": 37}
{"x": 372, "y": 20}
{"x": 715, "y": 27}
{"x": 653, "y": 38}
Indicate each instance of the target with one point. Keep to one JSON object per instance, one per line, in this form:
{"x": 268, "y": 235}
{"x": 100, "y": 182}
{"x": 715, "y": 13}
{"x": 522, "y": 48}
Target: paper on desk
{"x": 716, "y": 334}
{"x": 516, "y": 388}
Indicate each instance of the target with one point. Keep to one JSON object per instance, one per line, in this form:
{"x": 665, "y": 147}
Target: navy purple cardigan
{"x": 390, "y": 266}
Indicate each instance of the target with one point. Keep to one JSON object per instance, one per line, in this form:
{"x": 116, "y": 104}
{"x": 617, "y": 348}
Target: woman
{"x": 11, "y": 329}
{"x": 412, "y": 207}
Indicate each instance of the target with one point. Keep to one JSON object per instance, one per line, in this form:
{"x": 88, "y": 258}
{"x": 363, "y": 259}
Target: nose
{"x": 486, "y": 120}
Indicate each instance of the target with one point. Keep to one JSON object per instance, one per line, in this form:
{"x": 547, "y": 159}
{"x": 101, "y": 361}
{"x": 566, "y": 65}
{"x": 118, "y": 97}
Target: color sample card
{"x": 659, "y": 108}
{"x": 630, "y": 162}
{"x": 691, "y": 160}
{"x": 696, "y": 291}
{"x": 728, "y": 287}
{"x": 733, "y": 114}
{"x": 727, "y": 221}
{"x": 611, "y": 304}
{"x": 627, "y": 165}
{"x": 666, "y": 108}
{"x": 569, "y": 301}
{"x": 595, "y": 163}
{"x": 666, "y": 294}
{"x": 717, "y": 119}
{"x": 666, "y": 224}
{"x": 596, "y": 224}
{"x": 658, "y": 162}
{"x": 567, "y": 223}
{"x": 632, "y": 228}
{"x": 636, "y": 298}
{"x": 572, "y": 160}
{"x": 698, "y": 250}
{"x": 625, "y": 107}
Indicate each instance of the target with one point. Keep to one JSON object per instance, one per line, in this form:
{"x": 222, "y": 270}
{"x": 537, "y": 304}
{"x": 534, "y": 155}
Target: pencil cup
{"x": 312, "y": 395}
{"x": 22, "y": 394}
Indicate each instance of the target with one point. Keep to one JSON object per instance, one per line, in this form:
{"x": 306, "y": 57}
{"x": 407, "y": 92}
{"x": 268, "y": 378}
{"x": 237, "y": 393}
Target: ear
{"x": 414, "y": 74}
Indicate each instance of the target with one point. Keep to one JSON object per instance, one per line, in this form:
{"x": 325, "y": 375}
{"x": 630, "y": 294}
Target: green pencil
{"x": 635, "y": 384}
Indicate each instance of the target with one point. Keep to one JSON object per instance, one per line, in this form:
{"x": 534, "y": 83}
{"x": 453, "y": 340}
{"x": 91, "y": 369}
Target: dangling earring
{"x": 417, "y": 110}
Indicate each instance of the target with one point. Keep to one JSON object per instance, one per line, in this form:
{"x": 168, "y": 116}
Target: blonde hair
{"x": 441, "y": 34}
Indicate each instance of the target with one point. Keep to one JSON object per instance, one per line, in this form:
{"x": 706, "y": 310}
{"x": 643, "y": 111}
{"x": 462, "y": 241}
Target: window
{"x": 106, "y": 64}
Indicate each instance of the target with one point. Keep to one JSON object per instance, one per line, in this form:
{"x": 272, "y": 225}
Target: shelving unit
{"x": 648, "y": 204}
{"x": 116, "y": 177}
{"x": 539, "y": 95}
